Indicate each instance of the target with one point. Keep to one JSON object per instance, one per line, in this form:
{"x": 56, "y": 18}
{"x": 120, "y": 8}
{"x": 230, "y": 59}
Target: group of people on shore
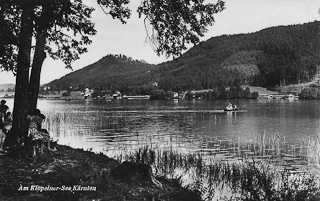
{"x": 36, "y": 133}
{"x": 5, "y": 123}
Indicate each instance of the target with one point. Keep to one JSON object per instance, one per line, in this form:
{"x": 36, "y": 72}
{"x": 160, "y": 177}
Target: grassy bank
{"x": 256, "y": 167}
{"x": 73, "y": 174}
{"x": 245, "y": 179}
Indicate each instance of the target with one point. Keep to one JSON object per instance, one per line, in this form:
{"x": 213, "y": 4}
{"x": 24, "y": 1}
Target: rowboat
{"x": 231, "y": 110}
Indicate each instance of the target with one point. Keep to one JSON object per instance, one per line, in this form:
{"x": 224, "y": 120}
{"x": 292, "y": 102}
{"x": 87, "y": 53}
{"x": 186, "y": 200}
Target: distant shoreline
{"x": 6, "y": 94}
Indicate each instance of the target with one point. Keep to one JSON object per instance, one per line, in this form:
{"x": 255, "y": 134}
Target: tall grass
{"x": 313, "y": 150}
{"x": 241, "y": 180}
{"x": 250, "y": 177}
{"x": 255, "y": 167}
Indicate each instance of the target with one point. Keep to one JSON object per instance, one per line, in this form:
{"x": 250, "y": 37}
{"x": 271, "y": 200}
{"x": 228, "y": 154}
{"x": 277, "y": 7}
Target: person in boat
{"x": 229, "y": 107}
{"x": 235, "y": 107}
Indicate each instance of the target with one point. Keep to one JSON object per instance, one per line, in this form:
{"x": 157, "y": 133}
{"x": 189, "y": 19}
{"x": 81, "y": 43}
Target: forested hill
{"x": 109, "y": 73}
{"x": 270, "y": 57}
{"x": 273, "y": 56}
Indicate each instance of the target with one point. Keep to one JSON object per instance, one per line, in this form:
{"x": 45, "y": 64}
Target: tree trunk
{"x": 42, "y": 24}
{"x": 2, "y": 30}
{"x": 20, "y": 110}
{"x": 39, "y": 56}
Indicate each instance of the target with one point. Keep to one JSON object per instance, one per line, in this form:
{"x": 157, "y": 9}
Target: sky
{"x": 113, "y": 37}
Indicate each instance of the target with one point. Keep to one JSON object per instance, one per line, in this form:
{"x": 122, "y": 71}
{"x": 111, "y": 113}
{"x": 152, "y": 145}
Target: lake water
{"x": 119, "y": 126}
{"x": 127, "y": 124}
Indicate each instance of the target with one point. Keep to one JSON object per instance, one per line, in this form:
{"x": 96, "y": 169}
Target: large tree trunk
{"x": 38, "y": 59}
{"x": 20, "y": 111}
{"x": 2, "y": 30}
{"x": 42, "y": 24}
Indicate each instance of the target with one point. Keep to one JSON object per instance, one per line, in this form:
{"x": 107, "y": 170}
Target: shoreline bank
{"x": 75, "y": 174}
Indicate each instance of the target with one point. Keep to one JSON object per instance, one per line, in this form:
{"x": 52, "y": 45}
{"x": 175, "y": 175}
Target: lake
{"x": 110, "y": 126}
{"x": 126, "y": 124}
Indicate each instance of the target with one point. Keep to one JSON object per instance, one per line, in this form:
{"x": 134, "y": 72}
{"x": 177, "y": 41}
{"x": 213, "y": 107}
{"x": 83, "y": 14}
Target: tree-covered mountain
{"x": 112, "y": 72}
{"x": 273, "y": 56}
{"x": 270, "y": 57}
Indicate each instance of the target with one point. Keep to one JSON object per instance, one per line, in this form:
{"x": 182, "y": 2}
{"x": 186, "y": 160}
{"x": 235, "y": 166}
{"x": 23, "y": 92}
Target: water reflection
{"x": 111, "y": 125}
{"x": 263, "y": 130}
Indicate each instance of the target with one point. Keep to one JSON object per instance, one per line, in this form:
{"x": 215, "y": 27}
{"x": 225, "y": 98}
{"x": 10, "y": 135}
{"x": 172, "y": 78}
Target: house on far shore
{"x": 87, "y": 93}
{"x": 6, "y": 94}
{"x": 117, "y": 95}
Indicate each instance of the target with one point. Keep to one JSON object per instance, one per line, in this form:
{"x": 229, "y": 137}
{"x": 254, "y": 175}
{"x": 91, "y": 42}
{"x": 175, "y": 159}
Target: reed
{"x": 313, "y": 150}
{"x": 246, "y": 179}
{"x": 253, "y": 167}
{"x": 257, "y": 145}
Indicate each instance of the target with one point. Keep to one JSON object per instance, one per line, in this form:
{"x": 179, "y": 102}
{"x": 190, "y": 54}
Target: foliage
{"x": 100, "y": 94}
{"x": 281, "y": 54}
{"x": 222, "y": 93}
{"x": 309, "y": 93}
{"x": 158, "y": 94}
{"x": 33, "y": 29}
{"x": 269, "y": 58}
{"x": 174, "y": 24}
{"x": 170, "y": 95}
{"x": 244, "y": 180}
{"x": 67, "y": 25}
{"x": 112, "y": 72}
{"x": 8, "y": 37}
{"x": 189, "y": 95}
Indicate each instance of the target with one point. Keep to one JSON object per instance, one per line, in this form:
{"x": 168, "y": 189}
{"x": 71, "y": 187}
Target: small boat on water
{"x": 231, "y": 110}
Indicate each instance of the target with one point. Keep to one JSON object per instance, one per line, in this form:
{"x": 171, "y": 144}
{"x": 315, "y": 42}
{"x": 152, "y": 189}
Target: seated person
{"x": 2, "y": 130}
{"x": 36, "y": 132}
{"x": 7, "y": 122}
{"x": 2, "y": 138}
{"x": 3, "y": 107}
{"x": 229, "y": 107}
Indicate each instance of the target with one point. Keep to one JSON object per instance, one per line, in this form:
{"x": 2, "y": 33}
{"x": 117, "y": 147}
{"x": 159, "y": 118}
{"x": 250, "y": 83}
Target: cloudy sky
{"x": 240, "y": 16}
